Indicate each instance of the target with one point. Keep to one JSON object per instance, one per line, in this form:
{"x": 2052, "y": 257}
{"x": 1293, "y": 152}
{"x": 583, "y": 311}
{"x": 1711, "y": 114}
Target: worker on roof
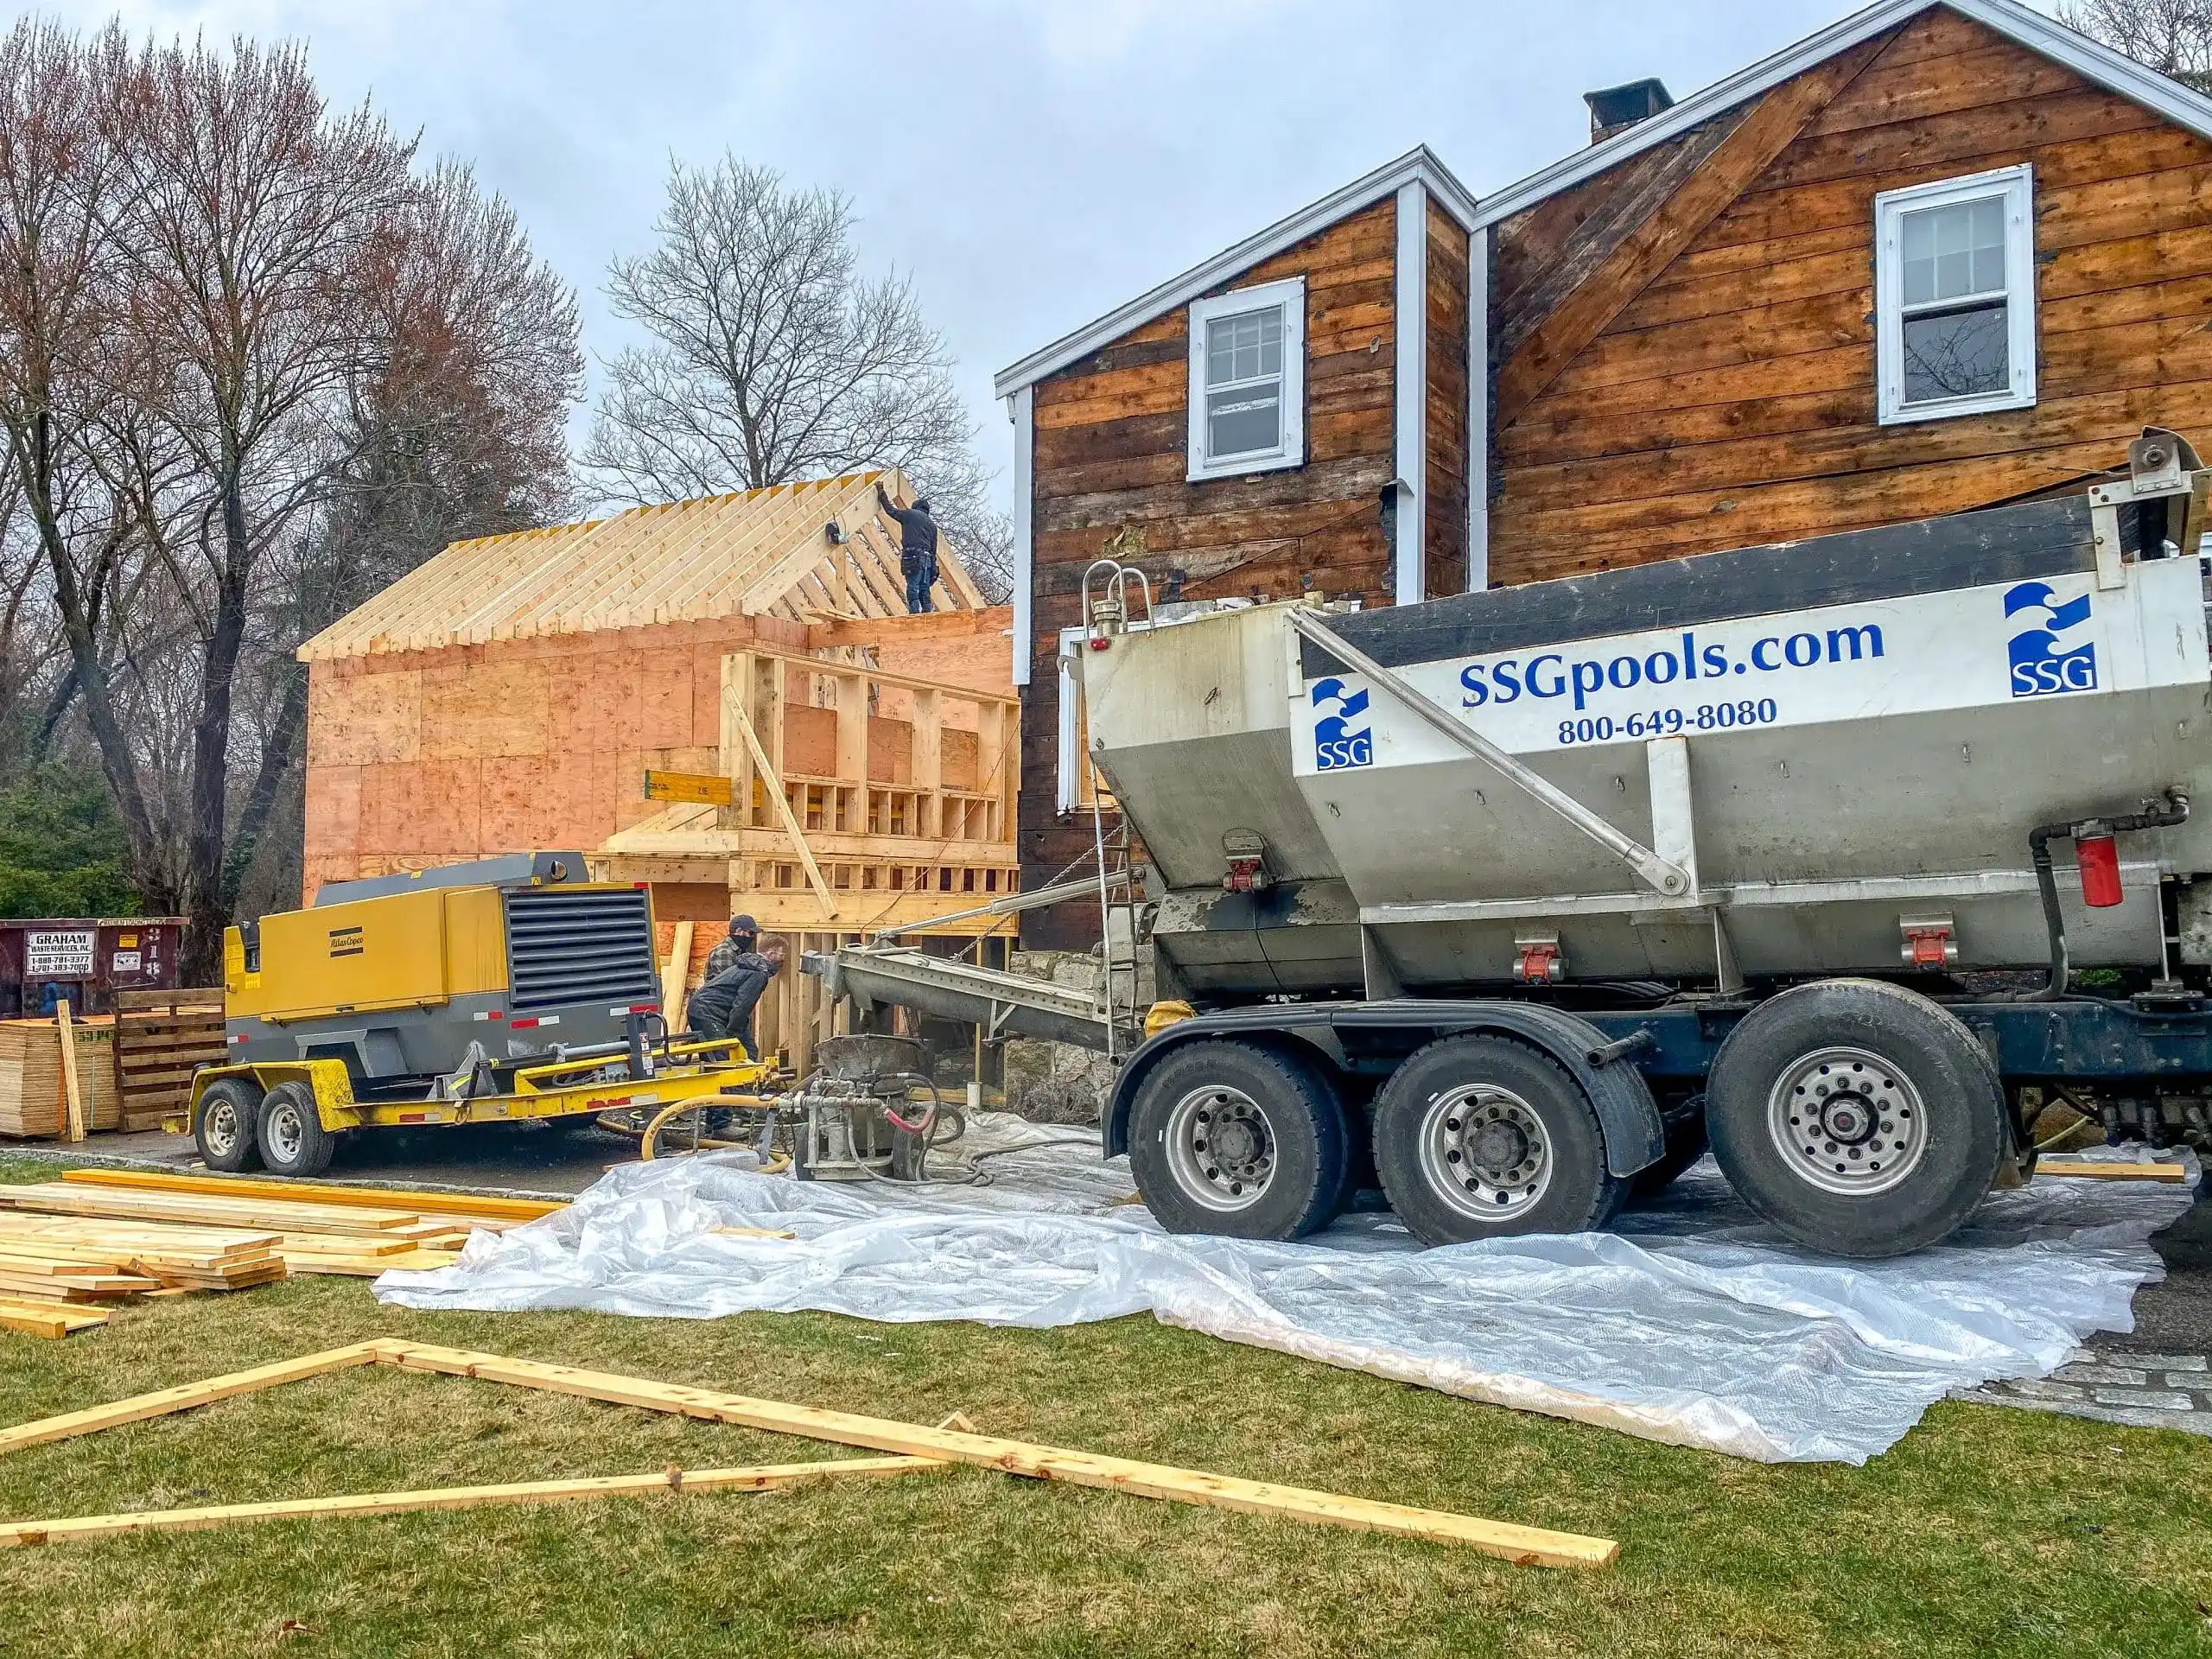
{"x": 744, "y": 939}
{"x": 917, "y": 548}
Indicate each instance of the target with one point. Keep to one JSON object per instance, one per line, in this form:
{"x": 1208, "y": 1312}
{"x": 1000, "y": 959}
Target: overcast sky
{"x": 1031, "y": 164}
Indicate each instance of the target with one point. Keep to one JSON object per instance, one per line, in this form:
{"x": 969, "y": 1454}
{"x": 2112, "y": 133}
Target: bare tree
{"x": 459, "y": 431}
{"x": 58, "y": 297}
{"x": 2172, "y": 36}
{"x": 774, "y": 358}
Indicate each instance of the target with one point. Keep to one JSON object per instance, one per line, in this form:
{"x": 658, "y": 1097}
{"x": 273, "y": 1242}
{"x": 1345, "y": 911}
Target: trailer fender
{"x": 334, "y": 1087}
{"x": 1635, "y": 1135}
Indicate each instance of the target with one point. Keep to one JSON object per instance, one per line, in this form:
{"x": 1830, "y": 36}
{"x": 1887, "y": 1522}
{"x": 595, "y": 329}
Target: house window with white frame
{"x": 1954, "y": 292}
{"x": 1248, "y": 381}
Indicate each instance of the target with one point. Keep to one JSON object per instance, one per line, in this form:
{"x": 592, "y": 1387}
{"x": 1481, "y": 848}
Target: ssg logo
{"x": 2044, "y": 663}
{"x": 1342, "y": 732}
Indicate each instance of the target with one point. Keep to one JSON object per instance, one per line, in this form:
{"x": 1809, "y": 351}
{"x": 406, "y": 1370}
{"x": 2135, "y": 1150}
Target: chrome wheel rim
{"x": 285, "y": 1132}
{"x": 1220, "y": 1149}
{"x": 219, "y": 1127}
{"x": 1485, "y": 1152}
{"x": 1848, "y": 1121}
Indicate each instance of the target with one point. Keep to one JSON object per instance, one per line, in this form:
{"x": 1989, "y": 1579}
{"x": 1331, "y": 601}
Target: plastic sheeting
{"x": 1692, "y": 1323}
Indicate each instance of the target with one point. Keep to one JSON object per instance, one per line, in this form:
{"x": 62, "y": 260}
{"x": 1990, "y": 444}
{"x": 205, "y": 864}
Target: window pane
{"x": 1244, "y": 347}
{"x": 1955, "y": 354}
{"x": 1951, "y": 252}
{"x": 1919, "y": 257}
{"x": 1243, "y": 422}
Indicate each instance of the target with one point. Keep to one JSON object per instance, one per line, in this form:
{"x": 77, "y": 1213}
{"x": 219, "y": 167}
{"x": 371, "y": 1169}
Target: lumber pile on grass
{"x": 103, "y": 1235}
{"x": 161, "y": 1038}
{"x": 33, "y": 1100}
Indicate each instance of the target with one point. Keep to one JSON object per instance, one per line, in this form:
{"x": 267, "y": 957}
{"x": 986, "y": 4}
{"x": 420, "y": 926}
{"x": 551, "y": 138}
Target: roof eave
{"x": 2092, "y": 62}
{"x": 1418, "y": 165}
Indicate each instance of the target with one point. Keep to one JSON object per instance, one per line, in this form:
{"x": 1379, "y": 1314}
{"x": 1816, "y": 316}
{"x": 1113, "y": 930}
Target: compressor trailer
{"x": 1527, "y": 895}
{"x": 503, "y": 990}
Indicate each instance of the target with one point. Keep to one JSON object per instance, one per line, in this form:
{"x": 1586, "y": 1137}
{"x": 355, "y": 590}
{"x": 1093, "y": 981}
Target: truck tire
{"x": 293, "y": 1141}
{"x": 1861, "y": 1119}
{"x": 227, "y": 1126}
{"x": 1479, "y": 1137}
{"x": 1230, "y": 1138}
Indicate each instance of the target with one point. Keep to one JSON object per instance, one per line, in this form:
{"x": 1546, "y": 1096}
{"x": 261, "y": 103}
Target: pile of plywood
{"x": 161, "y": 1038}
{"x": 98, "y": 1235}
{"x": 33, "y": 1090}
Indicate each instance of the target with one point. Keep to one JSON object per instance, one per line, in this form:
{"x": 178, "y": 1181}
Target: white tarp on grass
{"x": 1692, "y": 1323}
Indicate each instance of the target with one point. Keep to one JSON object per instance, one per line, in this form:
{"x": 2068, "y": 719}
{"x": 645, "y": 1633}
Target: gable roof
{"x": 2094, "y": 62}
{"x": 753, "y": 553}
{"x": 1417, "y": 166}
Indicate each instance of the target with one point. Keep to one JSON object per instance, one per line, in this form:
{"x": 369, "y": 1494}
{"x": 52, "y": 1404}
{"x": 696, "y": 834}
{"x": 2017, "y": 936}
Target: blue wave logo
{"x": 1343, "y": 731}
{"x": 2044, "y": 663}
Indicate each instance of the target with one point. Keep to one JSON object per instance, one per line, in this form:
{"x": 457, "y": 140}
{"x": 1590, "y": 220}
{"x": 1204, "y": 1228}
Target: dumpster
{"x": 86, "y": 959}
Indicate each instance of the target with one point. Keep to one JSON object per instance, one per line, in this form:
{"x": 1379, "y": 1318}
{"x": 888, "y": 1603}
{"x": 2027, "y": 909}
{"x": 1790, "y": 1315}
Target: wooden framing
{"x": 912, "y": 1447}
{"x": 753, "y": 553}
{"x": 859, "y": 799}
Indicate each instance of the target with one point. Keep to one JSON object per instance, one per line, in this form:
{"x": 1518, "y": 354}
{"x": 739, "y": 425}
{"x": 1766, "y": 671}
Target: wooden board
{"x": 163, "y": 1401}
{"x": 484, "y": 1206}
{"x": 698, "y": 786}
{"x": 781, "y": 1477}
{"x": 2173, "y": 1174}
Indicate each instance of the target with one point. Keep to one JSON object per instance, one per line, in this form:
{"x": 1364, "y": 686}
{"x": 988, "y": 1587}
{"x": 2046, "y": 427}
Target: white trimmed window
{"x": 1955, "y": 296}
{"x": 1247, "y": 380}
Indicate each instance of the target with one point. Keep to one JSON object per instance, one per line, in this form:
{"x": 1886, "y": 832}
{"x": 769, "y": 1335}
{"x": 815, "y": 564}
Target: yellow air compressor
{"x": 501, "y": 989}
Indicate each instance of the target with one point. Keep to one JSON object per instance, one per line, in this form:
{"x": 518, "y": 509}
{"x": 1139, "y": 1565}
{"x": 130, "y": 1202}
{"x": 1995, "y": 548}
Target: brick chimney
{"x": 1616, "y": 109}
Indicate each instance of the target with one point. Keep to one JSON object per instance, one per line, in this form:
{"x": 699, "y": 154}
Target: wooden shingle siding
{"x": 1111, "y": 436}
{"x": 1731, "y": 400}
{"x": 1445, "y": 522}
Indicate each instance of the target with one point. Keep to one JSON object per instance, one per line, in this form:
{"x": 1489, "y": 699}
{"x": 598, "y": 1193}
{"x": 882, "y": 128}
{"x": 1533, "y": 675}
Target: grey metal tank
{"x": 1813, "y": 758}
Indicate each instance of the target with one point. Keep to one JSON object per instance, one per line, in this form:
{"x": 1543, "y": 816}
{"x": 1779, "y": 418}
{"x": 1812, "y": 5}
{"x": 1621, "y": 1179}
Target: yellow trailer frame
{"x": 685, "y": 1071}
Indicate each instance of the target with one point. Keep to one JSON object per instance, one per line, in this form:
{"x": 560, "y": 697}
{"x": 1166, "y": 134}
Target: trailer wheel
{"x": 1860, "y": 1118}
{"x": 1234, "y": 1139}
{"x": 293, "y": 1139}
{"x": 1478, "y": 1137}
{"x": 227, "y": 1124}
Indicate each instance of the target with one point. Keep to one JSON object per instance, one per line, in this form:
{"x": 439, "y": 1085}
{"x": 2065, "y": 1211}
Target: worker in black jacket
{"x": 724, "y": 1006}
{"x": 917, "y": 548}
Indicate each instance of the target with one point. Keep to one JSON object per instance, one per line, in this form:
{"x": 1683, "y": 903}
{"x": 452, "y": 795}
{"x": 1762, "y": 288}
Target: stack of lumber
{"x": 97, "y": 1234}
{"x": 45, "y": 1261}
{"x": 161, "y": 1038}
{"x": 33, "y": 1100}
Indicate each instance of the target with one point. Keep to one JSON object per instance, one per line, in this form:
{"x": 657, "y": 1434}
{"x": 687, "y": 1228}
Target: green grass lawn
{"x": 1986, "y": 1531}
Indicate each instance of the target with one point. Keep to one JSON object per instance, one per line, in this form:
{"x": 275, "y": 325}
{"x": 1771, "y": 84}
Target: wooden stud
{"x": 2115, "y": 1170}
{"x": 163, "y": 1401}
{"x": 775, "y": 787}
{"x": 485, "y": 1206}
{"x": 676, "y": 977}
{"x": 775, "y": 1477}
{"x": 72, "y": 1092}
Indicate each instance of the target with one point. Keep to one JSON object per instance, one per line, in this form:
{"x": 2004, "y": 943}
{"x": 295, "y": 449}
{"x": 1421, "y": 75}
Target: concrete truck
{"x": 1846, "y": 857}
